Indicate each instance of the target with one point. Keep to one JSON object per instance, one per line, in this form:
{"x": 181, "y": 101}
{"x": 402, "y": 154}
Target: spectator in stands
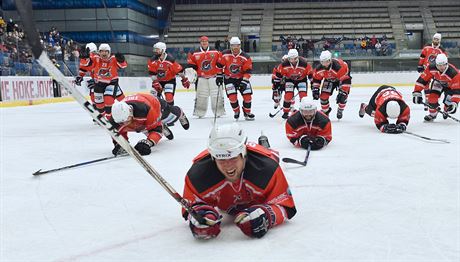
{"x": 363, "y": 44}
{"x": 10, "y": 26}
{"x": 2, "y": 26}
{"x": 254, "y": 45}
{"x": 378, "y": 48}
{"x": 226, "y": 43}
{"x": 217, "y": 45}
{"x": 373, "y": 42}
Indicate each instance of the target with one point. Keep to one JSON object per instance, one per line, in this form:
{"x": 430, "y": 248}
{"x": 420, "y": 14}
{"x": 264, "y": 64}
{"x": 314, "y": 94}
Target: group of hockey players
{"x": 232, "y": 175}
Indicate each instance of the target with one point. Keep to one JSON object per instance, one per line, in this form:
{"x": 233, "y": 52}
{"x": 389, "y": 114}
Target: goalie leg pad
{"x": 201, "y": 99}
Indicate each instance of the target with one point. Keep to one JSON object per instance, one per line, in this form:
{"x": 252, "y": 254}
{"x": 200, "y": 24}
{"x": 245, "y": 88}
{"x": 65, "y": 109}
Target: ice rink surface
{"x": 368, "y": 196}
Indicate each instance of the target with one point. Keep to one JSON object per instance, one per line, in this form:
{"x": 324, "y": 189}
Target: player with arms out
{"x": 241, "y": 179}
{"x": 105, "y": 67}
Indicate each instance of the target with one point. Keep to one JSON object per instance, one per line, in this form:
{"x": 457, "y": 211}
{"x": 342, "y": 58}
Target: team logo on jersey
{"x": 295, "y": 76}
{"x": 104, "y": 72}
{"x": 234, "y": 68}
{"x": 432, "y": 58}
{"x": 206, "y": 65}
{"x": 161, "y": 73}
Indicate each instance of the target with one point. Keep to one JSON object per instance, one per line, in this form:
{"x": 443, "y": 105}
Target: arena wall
{"x": 24, "y": 90}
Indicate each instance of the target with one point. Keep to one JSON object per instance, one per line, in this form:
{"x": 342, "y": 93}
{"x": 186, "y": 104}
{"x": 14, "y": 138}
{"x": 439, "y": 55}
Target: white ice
{"x": 368, "y": 196}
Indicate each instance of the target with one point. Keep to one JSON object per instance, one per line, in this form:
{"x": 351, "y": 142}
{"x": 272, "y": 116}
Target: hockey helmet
{"x": 393, "y": 109}
{"x": 160, "y": 46}
{"x": 92, "y": 47}
{"x": 437, "y": 36}
{"x": 292, "y": 54}
{"x": 104, "y": 47}
{"x": 307, "y": 108}
{"x": 227, "y": 141}
{"x": 235, "y": 41}
{"x": 441, "y": 59}
{"x": 121, "y": 111}
{"x": 325, "y": 56}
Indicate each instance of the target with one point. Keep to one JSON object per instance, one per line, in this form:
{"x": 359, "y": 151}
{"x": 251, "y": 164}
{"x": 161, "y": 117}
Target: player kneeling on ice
{"x": 386, "y": 103}
{"x": 148, "y": 114}
{"x": 309, "y": 127}
{"x": 240, "y": 178}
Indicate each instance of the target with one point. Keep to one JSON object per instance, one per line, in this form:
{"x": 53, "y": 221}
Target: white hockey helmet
{"x": 441, "y": 59}
{"x": 227, "y": 141}
{"x": 92, "y": 47}
{"x": 235, "y": 41}
{"x": 393, "y": 109}
{"x": 121, "y": 111}
{"x": 292, "y": 54}
{"x": 307, "y": 108}
{"x": 104, "y": 47}
{"x": 437, "y": 36}
{"x": 325, "y": 56}
{"x": 161, "y": 46}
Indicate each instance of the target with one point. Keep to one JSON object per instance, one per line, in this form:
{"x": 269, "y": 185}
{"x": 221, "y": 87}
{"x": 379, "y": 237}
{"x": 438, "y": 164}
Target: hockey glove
{"x": 389, "y": 129}
{"x": 452, "y": 108}
{"x": 144, "y": 146}
{"x": 212, "y": 227}
{"x": 255, "y": 220}
{"x": 417, "y": 97}
{"x": 185, "y": 83}
{"x": 315, "y": 93}
{"x": 84, "y": 53}
{"x": 120, "y": 57}
{"x": 318, "y": 143}
{"x": 244, "y": 84}
{"x": 400, "y": 128}
{"x": 304, "y": 141}
{"x": 118, "y": 150}
{"x": 78, "y": 80}
{"x": 342, "y": 97}
{"x": 219, "y": 79}
{"x": 420, "y": 69}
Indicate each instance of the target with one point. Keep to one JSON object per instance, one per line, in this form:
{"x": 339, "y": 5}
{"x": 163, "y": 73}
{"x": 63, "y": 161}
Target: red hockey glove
{"x": 185, "y": 83}
{"x": 212, "y": 227}
{"x": 255, "y": 220}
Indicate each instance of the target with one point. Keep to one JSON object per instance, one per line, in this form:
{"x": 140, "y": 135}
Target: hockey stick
{"x": 444, "y": 114}
{"x": 279, "y": 110}
{"x": 24, "y": 7}
{"x": 427, "y": 138}
{"x": 293, "y": 161}
{"x": 217, "y": 104}
{"x": 40, "y": 172}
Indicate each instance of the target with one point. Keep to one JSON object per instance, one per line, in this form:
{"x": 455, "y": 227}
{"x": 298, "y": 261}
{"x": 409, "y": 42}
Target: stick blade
{"x": 293, "y": 161}
{"x": 36, "y": 173}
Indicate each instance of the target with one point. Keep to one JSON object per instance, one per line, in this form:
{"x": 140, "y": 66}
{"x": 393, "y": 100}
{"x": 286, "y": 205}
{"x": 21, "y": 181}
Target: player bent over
{"x": 239, "y": 178}
{"x": 386, "y": 103}
{"x": 309, "y": 127}
{"x": 148, "y": 114}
